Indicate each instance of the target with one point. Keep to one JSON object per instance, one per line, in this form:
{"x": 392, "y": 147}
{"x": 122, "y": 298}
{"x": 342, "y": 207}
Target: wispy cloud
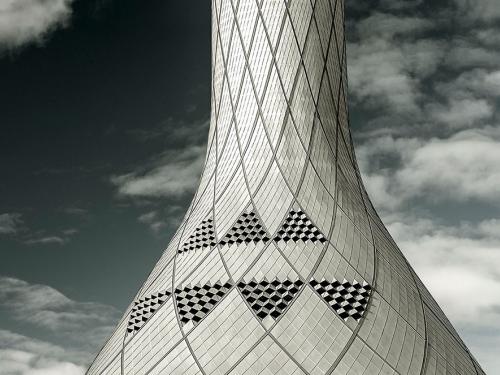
{"x": 41, "y": 238}
{"x": 47, "y": 240}
{"x": 10, "y": 223}
{"x": 158, "y": 221}
{"x": 172, "y": 175}
{"x": 47, "y": 308}
{"x": 386, "y": 58}
{"x": 153, "y": 221}
{"x": 462, "y": 113}
{"x": 70, "y": 231}
{"x": 169, "y": 177}
{"x": 82, "y": 326}
{"x": 27, "y": 21}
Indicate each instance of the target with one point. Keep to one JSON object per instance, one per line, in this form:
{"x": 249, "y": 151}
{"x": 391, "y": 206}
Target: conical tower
{"x": 281, "y": 264}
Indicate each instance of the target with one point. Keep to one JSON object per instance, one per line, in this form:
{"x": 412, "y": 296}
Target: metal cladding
{"x": 281, "y": 264}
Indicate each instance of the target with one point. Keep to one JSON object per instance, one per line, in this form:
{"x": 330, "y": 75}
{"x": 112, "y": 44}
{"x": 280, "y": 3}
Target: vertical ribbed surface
{"x": 281, "y": 265}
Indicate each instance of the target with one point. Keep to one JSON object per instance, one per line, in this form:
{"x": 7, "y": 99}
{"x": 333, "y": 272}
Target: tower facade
{"x": 281, "y": 264}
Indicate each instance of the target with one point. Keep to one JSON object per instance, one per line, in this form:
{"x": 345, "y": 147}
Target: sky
{"x": 104, "y": 111}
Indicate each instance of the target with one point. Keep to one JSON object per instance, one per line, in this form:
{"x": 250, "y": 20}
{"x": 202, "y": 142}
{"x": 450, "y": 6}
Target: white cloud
{"x": 488, "y": 36}
{"x": 472, "y": 83}
{"x": 466, "y": 256}
{"x": 47, "y": 308}
{"x": 463, "y": 167}
{"x": 14, "y": 341}
{"x": 490, "y": 83}
{"x": 490, "y": 228}
{"x": 394, "y": 63}
{"x": 10, "y": 223}
{"x": 377, "y": 76}
{"x": 462, "y": 113}
{"x": 467, "y": 54}
{"x": 387, "y": 61}
{"x": 22, "y": 355}
{"x": 26, "y": 21}
{"x": 173, "y": 176}
{"x": 24, "y": 363}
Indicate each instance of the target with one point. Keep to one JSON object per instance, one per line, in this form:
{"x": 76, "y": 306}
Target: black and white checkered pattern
{"x": 203, "y": 237}
{"x": 247, "y": 229}
{"x": 298, "y": 227}
{"x": 270, "y": 298}
{"x": 349, "y": 300}
{"x": 144, "y": 308}
{"x": 194, "y": 303}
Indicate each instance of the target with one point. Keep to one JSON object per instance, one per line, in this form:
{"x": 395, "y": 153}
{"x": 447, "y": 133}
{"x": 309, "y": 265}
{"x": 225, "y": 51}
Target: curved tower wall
{"x": 281, "y": 265}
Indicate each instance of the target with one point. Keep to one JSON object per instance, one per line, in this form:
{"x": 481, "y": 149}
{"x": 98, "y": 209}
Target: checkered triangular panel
{"x": 349, "y": 300}
{"x": 194, "y": 303}
{"x": 202, "y": 237}
{"x": 247, "y": 229}
{"x": 270, "y": 298}
{"x": 144, "y": 308}
{"x": 298, "y": 227}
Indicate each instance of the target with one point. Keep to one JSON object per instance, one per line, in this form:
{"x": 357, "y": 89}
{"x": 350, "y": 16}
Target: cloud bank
{"x": 82, "y": 326}
{"x": 21, "y": 355}
{"x": 28, "y": 21}
{"x": 46, "y": 307}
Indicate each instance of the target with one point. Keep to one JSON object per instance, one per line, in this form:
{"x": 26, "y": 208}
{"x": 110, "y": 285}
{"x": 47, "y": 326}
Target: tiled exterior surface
{"x": 281, "y": 265}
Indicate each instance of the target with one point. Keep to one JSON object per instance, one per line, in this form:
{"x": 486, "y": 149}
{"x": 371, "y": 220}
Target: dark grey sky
{"x": 103, "y": 120}
{"x": 99, "y": 98}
